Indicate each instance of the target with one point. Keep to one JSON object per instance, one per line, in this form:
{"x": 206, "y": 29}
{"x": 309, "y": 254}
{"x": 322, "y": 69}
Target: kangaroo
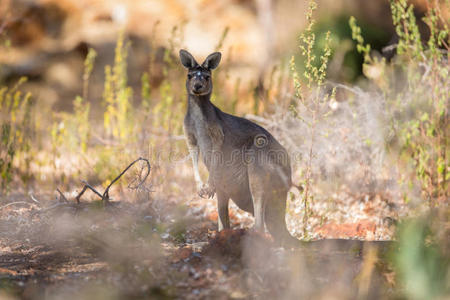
{"x": 245, "y": 162}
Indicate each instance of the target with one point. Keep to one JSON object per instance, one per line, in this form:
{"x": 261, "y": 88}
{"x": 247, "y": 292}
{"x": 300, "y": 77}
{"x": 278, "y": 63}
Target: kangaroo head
{"x": 198, "y": 80}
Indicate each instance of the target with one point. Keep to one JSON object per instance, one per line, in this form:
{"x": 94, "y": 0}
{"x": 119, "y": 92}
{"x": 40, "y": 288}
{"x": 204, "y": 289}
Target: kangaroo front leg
{"x": 194, "y": 152}
{"x": 209, "y": 189}
{"x": 202, "y": 189}
{"x": 222, "y": 207}
{"x": 194, "y": 155}
{"x": 215, "y": 159}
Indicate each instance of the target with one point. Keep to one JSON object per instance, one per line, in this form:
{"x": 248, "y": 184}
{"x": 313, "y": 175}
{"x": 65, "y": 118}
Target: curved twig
{"x": 105, "y": 196}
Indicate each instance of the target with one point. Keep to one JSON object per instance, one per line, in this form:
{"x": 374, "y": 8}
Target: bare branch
{"x": 85, "y": 187}
{"x": 62, "y": 196}
{"x": 105, "y": 196}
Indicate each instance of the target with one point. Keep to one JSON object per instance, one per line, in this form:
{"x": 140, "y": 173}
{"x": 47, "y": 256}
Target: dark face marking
{"x": 199, "y": 81}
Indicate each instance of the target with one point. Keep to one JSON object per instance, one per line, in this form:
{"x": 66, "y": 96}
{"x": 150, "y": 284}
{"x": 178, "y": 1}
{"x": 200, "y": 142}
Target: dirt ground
{"x": 165, "y": 250}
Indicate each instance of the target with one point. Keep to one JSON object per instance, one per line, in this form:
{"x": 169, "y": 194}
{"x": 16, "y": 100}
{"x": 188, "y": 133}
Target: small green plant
{"x": 81, "y": 105}
{"x": 409, "y": 42}
{"x": 168, "y": 112}
{"x": 73, "y": 129}
{"x": 145, "y": 92}
{"x": 16, "y": 132}
{"x": 357, "y": 36}
{"x": 117, "y": 95}
{"x": 309, "y": 91}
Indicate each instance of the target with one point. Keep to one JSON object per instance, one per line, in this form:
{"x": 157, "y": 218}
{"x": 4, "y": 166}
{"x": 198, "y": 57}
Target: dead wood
{"x": 105, "y": 196}
{"x": 63, "y": 201}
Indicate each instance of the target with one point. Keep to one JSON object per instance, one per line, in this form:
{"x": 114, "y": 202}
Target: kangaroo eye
{"x": 189, "y": 76}
{"x": 207, "y": 77}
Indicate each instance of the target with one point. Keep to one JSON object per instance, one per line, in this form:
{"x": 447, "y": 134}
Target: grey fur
{"x": 245, "y": 162}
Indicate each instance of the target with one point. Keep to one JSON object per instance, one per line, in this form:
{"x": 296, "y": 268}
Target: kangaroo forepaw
{"x": 207, "y": 191}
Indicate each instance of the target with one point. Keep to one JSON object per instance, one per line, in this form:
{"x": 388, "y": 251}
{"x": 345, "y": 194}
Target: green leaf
{"x": 424, "y": 117}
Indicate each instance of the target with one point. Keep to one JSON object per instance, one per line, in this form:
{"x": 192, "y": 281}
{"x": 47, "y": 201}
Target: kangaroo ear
{"x": 187, "y": 59}
{"x": 212, "y": 61}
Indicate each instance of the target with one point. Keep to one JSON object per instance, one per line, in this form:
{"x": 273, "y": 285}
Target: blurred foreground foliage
{"x": 422, "y": 260}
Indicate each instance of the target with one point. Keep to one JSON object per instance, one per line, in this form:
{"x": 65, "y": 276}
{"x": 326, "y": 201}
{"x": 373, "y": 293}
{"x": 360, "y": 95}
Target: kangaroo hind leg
{"x": 258, "y": 184}
{"x": 222, "y": 208}
{"x": 269, "y": 192}
{"x": 275, "y": 217}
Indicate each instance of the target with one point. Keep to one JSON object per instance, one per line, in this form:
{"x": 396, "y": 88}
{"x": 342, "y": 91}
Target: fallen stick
{"x": 63, "y": 198}
{"x": 105, "y": 196}
{"x": 86, "y": 186}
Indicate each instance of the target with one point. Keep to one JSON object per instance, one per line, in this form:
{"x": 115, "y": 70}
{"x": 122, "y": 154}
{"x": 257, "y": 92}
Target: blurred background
{"x": 48, "y": 40}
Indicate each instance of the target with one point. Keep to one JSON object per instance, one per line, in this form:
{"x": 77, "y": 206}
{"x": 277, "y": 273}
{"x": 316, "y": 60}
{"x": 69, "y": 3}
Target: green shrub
{"x": 308, "y": 91}
{"x": 418, "y": 112}
{"x": 345, "y": 60}
{"x": 16, "y": 133}
{"x": 117, "y": 95}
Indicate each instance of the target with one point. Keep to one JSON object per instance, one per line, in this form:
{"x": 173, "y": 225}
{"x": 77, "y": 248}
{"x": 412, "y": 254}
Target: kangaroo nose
{"x": 197, "y": 86}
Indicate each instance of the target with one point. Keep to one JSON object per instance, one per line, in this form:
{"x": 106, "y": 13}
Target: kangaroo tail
{"x": 275, "y": 220}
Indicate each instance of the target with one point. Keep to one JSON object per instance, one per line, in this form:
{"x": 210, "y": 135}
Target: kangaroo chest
{"x": 201, "y": 132}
